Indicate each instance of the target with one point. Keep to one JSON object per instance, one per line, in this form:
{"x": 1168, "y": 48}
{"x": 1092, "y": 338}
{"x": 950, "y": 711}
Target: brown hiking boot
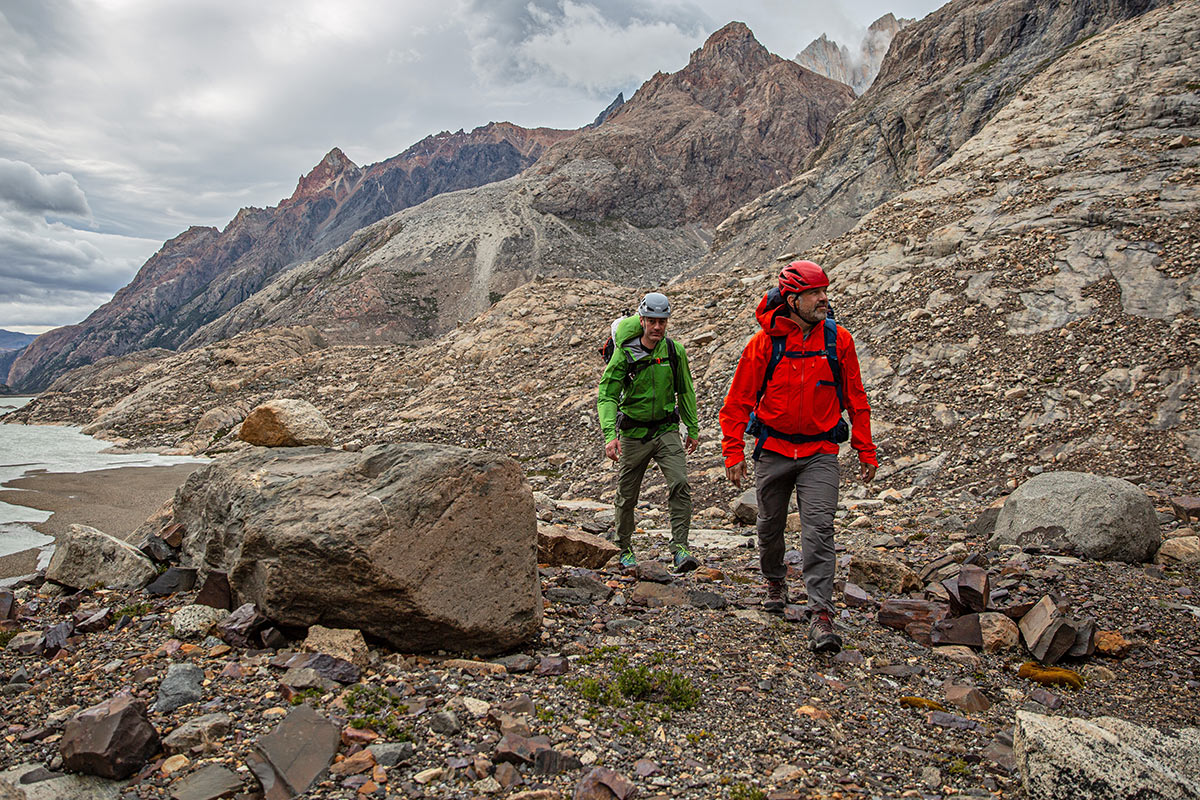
{"x": 777, "y": 596}
{"x": 822, "y": 638}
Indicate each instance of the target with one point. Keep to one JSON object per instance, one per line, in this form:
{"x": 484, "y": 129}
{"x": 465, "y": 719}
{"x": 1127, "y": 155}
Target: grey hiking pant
{"x": 815, "y": 480}
{"x": 667, "y": 450}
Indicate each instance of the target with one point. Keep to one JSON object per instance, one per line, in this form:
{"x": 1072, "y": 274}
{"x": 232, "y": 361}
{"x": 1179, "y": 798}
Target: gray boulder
{"x": 1105, "y": 758}
{"x": 1092, "y": 515}
{"x": 86, "y": 557}
{"x": 183, "y": 684}
{"x": 424, "y": 546}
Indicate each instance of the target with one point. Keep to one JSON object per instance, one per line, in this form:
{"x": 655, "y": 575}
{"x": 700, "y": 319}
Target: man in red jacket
{"x": 792, "y": 382}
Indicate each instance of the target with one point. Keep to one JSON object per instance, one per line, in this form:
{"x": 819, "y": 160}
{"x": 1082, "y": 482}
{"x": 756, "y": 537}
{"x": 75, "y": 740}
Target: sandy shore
{"x": 115, "y": 501}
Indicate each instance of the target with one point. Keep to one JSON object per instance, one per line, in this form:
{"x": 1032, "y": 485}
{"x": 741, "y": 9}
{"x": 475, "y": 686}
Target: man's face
{"x": 653, "y": 330}
{"x": 811, "y": 305}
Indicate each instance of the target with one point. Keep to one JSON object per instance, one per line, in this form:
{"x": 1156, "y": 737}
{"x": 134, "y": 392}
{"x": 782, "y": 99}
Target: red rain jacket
{"x": 801, "y": 397}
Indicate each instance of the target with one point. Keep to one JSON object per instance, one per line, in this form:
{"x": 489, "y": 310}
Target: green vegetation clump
{"x": 740, "y": 791}
{"x": 376, "y": 708}
{"x": 666, "y": 687}
{"x": 6, "y": 637}
{"x": 958, "y": 767}
{"x": 133, "y": 610}
{"x": 305, "y": 694}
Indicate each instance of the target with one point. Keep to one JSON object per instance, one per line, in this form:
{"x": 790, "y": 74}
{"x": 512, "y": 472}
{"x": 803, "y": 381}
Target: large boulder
{"x": 424, "y": 546}
{"x": 1105, "y": 759}
{"x": 112, "y": 739}
{"x": 85, "y": 557}
{"x": 1091, "y": 515}
{"x": 286, "y": 423}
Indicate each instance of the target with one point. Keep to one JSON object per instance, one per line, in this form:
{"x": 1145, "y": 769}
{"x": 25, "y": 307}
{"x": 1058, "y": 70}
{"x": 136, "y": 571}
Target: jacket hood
{"x": 772, "y": 314}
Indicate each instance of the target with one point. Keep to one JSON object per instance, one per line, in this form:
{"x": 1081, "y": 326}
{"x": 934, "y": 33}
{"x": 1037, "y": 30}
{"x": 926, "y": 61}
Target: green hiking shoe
{"x": 685, "y": 561}
{"x": 628, "y": 559}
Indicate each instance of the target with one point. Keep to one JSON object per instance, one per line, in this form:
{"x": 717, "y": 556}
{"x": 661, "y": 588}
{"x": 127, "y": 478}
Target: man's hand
{"x": 866, "y": 472}
{"x": 736, "y": 473}
{"x": 692, "y": 444}
{"x": 613, "y": 448}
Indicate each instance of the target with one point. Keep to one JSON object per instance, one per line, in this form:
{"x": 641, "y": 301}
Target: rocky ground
{"x": 684, "y": 688}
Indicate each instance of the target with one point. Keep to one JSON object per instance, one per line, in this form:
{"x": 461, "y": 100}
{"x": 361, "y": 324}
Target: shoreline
{"x": 115, "y": 500}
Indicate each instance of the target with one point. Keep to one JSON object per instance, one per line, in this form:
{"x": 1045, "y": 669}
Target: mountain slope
{"x": 632, "y": 200}
{"x": 941, "y": 81}
{"x": 1033, "y": 304}
{"x": 203, "y": 272}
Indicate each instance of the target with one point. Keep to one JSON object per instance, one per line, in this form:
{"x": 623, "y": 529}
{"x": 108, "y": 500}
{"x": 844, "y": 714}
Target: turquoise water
{"x": 52, "y": 448}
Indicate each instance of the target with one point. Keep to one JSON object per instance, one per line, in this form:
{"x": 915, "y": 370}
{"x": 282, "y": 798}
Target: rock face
{"x": 286, "y": 423}
{"x": 387, "y": 541}
{"x": 86, "y": 557}
{"x": 1092, "y": 515}
{"x": 753, "y": 115}
{"x": 1105, "y": 759}
{"x": 944, "y": 77}
{"x": 203, "y": 272}
{"x": 835, "y": 61}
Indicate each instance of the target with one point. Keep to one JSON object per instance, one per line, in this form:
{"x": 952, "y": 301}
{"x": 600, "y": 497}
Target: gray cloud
{"x": 29, "y": 190}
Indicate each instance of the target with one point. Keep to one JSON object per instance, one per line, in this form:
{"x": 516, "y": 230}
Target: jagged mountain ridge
{"x": 1032, "y": 304}
{"x": 203, "y": 272}
{"x": 943, "y": 78}
{"x": 835, "y": 61}
{"x": 632, "y": 200}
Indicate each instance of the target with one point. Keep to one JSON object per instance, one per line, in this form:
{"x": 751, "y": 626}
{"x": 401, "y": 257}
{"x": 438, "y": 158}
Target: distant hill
{"x": 202, "y": 273}
{"x": 14, "y": 340}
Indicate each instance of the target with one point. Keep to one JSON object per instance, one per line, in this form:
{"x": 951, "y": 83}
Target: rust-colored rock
{"x": 559, "y": 547}
{"x": 112, "y": 739}
{"x": 900, "y": 612}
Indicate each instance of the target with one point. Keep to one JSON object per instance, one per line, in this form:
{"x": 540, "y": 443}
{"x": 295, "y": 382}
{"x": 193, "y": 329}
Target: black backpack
{"x": 841, "y": 431}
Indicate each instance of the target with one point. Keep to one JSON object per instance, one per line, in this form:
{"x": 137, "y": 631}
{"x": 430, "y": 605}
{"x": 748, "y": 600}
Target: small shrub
{"x": 740, "y": 791}
{"x": 635, "y": 683}
{"x": 133, "y": 610}
{"x": 305, "y": 694}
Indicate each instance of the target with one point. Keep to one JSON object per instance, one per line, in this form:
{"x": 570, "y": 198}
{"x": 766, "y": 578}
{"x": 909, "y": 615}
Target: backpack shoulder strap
{"x": 673, "y": 357}
{"x": 778, "y": 346}
{"x": 835, "y": 365}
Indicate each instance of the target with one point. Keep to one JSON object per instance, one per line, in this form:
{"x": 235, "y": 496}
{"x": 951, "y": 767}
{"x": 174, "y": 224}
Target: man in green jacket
{"x": 645, "y": 392}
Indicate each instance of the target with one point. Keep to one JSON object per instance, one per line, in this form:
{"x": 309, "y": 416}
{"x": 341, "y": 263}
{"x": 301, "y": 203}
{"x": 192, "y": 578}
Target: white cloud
{"x": 600, "y": 55}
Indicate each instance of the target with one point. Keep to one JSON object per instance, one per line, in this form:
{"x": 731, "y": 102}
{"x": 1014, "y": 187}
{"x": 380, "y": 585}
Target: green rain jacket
{"x": 650, "y": 394}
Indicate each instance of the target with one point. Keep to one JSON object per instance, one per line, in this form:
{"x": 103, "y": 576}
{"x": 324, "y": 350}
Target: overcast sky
{"x": 123, "y": 122}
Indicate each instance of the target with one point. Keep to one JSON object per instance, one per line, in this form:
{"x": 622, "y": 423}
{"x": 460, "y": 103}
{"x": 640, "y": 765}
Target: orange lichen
{"x": 922, "y": 703}
{"x": 1050, "y": 676}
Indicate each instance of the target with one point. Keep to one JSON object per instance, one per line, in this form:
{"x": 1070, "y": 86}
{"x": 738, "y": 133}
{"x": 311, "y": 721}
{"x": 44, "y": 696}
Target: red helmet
{"x": 800, "y": 276}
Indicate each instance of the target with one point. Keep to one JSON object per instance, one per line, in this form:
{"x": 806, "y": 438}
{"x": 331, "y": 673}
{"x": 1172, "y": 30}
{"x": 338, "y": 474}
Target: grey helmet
{"x": 655, "y": 306}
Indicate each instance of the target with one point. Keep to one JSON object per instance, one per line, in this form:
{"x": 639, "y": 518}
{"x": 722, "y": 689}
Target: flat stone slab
{"x": 46, "y": 785}
{"x": 705, "y": 538}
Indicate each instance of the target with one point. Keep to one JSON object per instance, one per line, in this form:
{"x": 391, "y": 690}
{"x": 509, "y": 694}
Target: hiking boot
{"x": 628, "y": 559}
{"x": 777, "y": 596}
{"x": 685, "y": 561}
{"x": 822, "y": 638}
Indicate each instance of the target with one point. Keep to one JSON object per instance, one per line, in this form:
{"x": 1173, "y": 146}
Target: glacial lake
{"x": 52, "y": 448}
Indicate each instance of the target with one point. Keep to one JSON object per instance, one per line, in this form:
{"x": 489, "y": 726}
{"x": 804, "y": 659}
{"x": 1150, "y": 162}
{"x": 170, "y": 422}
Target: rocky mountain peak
{"x": 733, "y": 43}
{"x": 833, "y": 60}
{"x": 334, "y": 170}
